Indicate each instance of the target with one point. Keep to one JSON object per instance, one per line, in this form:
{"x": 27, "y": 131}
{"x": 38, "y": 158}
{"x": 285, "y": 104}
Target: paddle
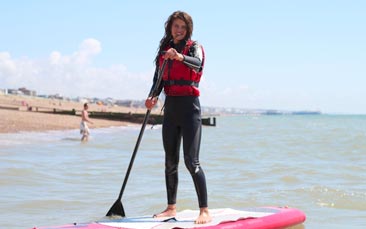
{"x": 117, "y": 208}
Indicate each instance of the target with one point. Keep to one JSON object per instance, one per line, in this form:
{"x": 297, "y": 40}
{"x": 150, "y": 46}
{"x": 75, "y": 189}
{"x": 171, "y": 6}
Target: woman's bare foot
{"x": 204, "y": 216}
{"x": 170, "y": 211}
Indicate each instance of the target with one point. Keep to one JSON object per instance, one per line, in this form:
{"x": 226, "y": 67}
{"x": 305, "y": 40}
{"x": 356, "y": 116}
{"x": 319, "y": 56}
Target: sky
{"x": 287, "y": 55}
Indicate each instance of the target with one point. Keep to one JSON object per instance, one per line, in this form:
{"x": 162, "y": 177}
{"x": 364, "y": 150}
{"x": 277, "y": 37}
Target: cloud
{"x": 88, "y": 48}
{"x": 74, "y": 75}
{"x": 219, "y": 95}
{"x": 7, "y": 65}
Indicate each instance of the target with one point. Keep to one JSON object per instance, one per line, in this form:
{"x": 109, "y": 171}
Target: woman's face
{"x": 179, "y": 30}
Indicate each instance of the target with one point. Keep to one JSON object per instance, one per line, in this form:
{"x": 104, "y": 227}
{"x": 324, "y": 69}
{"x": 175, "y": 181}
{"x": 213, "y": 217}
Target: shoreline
{"x": 16, "y": 116}
{"x": 14, "y": 121}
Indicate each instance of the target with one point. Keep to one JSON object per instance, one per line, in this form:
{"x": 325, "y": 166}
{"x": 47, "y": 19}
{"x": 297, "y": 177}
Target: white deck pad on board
{"x": 186, "y": 219}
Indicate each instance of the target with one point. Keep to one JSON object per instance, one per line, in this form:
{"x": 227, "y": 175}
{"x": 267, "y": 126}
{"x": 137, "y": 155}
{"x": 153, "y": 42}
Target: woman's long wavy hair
{"x": 168, "y": 30}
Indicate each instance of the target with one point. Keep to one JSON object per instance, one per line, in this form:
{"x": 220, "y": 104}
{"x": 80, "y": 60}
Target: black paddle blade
{"x": 116, "y": 209}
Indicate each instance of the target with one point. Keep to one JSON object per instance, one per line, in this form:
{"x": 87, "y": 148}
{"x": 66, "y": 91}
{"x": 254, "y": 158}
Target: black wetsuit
{"x": 182, "y": 121}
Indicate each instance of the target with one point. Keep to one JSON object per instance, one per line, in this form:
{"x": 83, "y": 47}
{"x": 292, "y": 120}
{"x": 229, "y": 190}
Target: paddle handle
{"x": 155, "y": 91}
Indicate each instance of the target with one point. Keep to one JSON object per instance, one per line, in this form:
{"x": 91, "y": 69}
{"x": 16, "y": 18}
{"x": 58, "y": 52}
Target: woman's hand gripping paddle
{"x": 117, "y": 208}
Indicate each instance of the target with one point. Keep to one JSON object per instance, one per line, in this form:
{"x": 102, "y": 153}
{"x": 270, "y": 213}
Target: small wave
{"x": 26, "y": 138}
{"x": 338, "y": 198}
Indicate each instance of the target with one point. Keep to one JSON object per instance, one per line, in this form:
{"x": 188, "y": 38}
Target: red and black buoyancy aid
{"x": 179, "y": 79}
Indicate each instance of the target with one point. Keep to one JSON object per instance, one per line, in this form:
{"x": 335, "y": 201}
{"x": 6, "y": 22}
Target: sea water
{"x": 314, "y": 163}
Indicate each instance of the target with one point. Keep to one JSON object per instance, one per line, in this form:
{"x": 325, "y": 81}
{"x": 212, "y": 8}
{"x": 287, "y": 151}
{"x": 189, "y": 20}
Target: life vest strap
{"x": 180, "y": 83}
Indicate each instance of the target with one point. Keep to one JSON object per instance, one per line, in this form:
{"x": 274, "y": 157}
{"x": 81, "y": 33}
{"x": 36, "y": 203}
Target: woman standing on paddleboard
{"x": 182, "y": 112}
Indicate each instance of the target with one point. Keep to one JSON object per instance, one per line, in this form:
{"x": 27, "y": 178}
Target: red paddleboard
{"x": 249, "y": 218}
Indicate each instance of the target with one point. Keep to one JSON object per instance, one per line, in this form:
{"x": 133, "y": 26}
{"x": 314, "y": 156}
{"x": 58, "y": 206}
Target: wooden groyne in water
{"x": 154, "y": 119}
{"x": 128, "y": 117}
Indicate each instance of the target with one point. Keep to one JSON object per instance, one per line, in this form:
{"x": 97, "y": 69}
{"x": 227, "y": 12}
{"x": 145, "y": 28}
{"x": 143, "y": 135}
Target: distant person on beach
{"x": 182, "y": 111}
{"x": 84, "y": 129}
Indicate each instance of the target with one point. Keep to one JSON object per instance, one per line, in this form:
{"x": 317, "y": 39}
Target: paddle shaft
{"x": 147, "y": 115}
{"x": 134, "y": 153}
{"x": 117, "y": 207}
